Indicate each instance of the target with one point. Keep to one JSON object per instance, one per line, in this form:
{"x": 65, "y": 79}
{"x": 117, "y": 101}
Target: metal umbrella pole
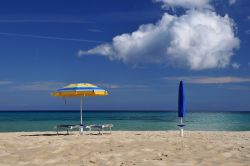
{"x": 81, "y": 105}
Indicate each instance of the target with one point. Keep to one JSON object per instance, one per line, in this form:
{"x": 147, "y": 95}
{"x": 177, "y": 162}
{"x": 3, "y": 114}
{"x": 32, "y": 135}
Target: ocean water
{"x": 13, "y": 121}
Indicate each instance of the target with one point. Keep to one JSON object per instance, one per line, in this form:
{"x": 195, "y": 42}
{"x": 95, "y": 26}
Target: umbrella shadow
{"x": 98, "y": 134}
{"x": 46, "y": 134}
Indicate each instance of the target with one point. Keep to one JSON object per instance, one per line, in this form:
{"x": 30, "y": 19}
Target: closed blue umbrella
{"x": 181, "y": 101}
{"x": 181, "y": 107}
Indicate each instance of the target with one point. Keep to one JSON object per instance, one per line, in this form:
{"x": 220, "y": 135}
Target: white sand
{"x": 126, "y": 148}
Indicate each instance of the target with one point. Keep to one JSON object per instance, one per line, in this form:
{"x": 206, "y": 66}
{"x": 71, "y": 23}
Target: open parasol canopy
{"x": 80, "y": 90}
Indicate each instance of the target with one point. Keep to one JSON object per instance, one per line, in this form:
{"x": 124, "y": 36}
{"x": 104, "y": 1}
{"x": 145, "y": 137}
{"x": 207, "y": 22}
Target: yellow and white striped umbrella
{"x": 80, "y": 90}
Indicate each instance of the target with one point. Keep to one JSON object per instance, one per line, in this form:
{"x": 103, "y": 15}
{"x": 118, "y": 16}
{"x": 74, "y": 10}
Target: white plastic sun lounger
{"x": 66, "y": 127}
{"x": 100, "y": 128}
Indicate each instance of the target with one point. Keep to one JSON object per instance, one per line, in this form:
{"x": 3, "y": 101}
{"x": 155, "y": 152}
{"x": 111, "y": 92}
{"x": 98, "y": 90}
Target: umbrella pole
{"x": 181, "y": 127}
{"x": 81, "y": 103}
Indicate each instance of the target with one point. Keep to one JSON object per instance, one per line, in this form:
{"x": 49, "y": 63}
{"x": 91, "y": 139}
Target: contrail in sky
{"x": 45, "y": 21}
{"x": 50, "y": 37}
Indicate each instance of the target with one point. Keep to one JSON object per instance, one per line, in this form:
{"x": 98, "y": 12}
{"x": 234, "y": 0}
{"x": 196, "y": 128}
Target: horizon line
{"x": 195, "y": 110}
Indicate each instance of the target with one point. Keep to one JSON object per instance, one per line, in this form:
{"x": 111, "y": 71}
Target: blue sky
{"x": 48, "y": 44}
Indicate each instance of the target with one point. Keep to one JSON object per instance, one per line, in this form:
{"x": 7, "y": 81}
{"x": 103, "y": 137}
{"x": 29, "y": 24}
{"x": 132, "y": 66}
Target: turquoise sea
{"x": 11, "y": 121}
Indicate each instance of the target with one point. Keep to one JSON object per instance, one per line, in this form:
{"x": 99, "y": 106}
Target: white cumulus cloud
{"x": 199, "y": 39}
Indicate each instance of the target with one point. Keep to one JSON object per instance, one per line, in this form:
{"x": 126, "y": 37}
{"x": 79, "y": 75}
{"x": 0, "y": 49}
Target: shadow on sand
{"x": 45, "y": 134}
{"x": 60, "y": 134}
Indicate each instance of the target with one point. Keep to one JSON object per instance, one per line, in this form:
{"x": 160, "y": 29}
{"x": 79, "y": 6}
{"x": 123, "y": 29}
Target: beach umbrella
{"x": 181, "y": 107}
{"x": 80, "y": 90}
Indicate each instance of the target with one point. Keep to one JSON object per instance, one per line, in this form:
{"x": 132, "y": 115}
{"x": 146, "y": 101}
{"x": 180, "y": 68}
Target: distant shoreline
{"x": 125, "y": 120}
{"x": 224, "y": 111}
{"x": 86, "y": 132}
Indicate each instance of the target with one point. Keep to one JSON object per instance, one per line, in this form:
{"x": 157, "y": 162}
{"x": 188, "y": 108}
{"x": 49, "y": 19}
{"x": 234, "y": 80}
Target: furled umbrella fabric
{"x": 181, "y": 107}
{"x": 80, "y": 90}
{"x": 181, "y": 101}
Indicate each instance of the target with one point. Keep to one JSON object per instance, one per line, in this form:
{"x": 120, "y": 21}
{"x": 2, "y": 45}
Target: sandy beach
{"x": 123, "y": 148}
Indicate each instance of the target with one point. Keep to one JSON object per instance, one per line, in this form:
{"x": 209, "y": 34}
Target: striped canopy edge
{"x": 80, "y": 85}
{"x": 80, "y": 89}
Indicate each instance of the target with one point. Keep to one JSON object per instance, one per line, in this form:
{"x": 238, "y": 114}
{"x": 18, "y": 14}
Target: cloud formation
{"x": 236, "y": 65}
{"x": 69, "y": 21}
{"x": 39, "y": 86}
{"x": 199, "y": 39}
{"x": 5, "y": 82}
{"x": 247, "y": 32}
{"x": 49, "y": 37}
{"x": 231, "y": 2}
{"x": 185, "y": 3}
{"x": 209, "y": 80}
{"x": 122, "y": 86}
